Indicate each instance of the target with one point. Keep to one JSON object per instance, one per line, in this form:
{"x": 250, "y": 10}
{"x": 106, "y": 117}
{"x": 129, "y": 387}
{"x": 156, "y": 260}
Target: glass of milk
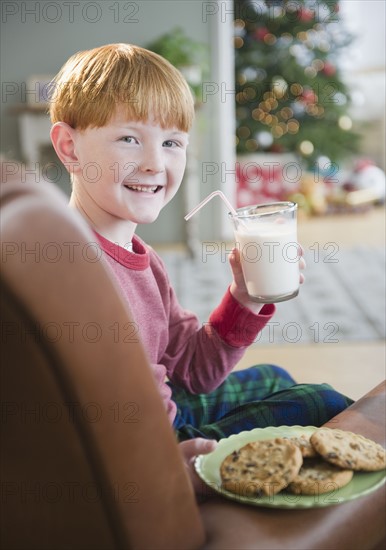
{"x": 266, "y": 236}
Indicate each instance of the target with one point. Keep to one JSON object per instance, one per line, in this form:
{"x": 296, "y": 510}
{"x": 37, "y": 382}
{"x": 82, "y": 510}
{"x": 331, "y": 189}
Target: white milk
{"x": 270, "y": 260}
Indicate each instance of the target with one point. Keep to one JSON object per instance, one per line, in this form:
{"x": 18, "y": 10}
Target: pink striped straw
{"x": 206, "y": 200}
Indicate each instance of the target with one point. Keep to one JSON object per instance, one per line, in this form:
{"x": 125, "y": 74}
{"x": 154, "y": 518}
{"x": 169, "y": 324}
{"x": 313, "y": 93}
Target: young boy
{"x": 121, "y": 117}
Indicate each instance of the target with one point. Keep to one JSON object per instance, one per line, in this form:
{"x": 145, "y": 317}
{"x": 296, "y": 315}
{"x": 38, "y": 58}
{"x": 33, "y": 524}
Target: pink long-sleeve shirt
{"x": 197, "y": 358}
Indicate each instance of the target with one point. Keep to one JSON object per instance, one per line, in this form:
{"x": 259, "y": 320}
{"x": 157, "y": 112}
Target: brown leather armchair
{"x": 89, "y": 459}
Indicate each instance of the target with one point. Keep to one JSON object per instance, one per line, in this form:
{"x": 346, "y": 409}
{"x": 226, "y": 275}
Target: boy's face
{"x": 128, "y": 170}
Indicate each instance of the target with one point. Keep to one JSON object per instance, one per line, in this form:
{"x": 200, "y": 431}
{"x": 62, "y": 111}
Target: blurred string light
{"x": 290, "y": 96}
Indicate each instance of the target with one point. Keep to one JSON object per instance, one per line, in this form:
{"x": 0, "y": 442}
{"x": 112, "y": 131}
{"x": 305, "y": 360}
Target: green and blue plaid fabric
{"x": 261, "y": 396}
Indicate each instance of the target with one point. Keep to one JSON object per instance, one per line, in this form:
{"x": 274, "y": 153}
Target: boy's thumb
{"x": 206, "y": 446}
{"x": 197, "y": 446}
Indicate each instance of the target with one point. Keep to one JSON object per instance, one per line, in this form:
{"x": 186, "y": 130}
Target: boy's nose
{"x": 152, "y": 162}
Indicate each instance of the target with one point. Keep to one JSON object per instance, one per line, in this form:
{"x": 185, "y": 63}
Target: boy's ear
{"x": 63, "y": 140}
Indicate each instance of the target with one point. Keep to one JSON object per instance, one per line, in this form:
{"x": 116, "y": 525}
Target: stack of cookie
{"x": 304, "y": 465}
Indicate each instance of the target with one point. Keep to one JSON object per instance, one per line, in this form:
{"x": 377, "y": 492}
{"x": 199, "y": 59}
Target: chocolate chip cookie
{"x": 261, "y": 467}
{"x": 317, "y": 476}
{"x": 349, "y": 450}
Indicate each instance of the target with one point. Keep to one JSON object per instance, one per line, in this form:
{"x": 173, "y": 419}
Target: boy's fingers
{"x": 234, "y": 257}
{"x": 206, "y": 446}
{"x": 198, "y": 446}
{"x": 234, "y": 260}
{"x": 190, "y": 449}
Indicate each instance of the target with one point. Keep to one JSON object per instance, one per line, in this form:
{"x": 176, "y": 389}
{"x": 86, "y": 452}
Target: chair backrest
{"x": 89, "y": 459}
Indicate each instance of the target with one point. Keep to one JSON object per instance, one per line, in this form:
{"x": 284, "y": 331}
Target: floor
{"x": 352, "y": 366}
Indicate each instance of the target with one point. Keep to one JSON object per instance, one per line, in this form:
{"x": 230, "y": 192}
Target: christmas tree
{"x": 290, "y": 96}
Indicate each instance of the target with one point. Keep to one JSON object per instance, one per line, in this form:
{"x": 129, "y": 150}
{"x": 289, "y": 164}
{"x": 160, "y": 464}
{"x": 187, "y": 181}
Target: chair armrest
{"x": 366, "y": 416}
{"x": 126, "y": 450}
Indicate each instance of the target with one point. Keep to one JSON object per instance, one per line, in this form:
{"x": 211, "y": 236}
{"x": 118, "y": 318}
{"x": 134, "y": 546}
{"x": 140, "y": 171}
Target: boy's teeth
{"x": 145, "y": 189}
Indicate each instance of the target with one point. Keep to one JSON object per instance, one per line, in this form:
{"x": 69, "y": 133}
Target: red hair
{"x": 93, "y": 83}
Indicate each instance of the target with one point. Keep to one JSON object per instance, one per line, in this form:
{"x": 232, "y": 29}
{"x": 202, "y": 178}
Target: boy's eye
{"x": 170, "y": 143}
{"x": 129, "y": 139}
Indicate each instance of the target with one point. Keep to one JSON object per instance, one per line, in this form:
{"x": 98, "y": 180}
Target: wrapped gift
{"x": 266, "y": 177}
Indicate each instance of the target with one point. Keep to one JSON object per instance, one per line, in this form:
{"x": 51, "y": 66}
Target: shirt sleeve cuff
{"x": 237, "y": 325}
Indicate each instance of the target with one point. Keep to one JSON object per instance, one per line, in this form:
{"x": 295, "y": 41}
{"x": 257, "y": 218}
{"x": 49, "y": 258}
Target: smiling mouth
{"x": 144, "y": 188}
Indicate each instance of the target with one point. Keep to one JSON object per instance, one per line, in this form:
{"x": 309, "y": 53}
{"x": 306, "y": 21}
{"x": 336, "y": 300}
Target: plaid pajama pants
{"x": 261, "y": 396}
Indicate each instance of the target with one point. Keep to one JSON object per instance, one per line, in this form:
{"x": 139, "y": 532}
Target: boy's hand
{"x": 189, "y": 450}
{"x": 238, "y": 287}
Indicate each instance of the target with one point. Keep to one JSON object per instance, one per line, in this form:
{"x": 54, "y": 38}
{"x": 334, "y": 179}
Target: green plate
{"x": 208, "y": 468}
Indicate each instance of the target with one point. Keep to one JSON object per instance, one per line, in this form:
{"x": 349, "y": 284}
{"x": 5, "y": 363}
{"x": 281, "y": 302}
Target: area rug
{"x": 343, "y": 298}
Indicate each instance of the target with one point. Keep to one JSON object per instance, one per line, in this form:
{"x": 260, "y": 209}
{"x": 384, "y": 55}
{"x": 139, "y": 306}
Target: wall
{"x": 364, "y": 71}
